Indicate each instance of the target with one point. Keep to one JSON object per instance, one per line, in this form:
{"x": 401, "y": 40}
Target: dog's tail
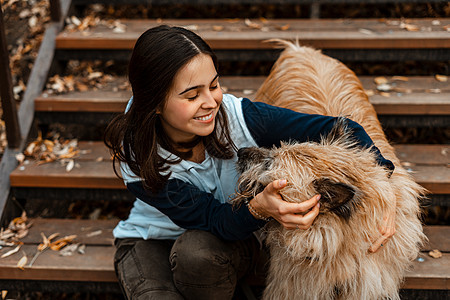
{"x": 286, "y": 44}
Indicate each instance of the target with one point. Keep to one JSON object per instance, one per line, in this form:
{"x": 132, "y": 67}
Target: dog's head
{"x": 336, "y": 168}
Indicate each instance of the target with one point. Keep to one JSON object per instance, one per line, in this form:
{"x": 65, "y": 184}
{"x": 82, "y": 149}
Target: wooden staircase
{"x": 412, "y": 101}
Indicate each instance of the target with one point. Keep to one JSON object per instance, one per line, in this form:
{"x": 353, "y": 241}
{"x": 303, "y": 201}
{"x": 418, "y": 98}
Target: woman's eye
{"x": 193, "y": 98}
{"x": 213, "y": 87}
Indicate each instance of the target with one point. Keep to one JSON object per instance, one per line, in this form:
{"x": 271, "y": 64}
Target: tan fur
{"x": 330, "y": 260}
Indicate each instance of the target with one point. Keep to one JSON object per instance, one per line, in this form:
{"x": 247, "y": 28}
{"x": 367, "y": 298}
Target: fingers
{"x": 295, "y": 208}
{"x": 387, "y": 230}
{"x": 294, "y": 221}
{"x": 276, "y": 185}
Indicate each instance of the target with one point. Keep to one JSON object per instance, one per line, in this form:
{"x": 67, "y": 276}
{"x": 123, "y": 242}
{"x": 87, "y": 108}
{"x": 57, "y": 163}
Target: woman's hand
{"x": 269, "y": 203}
{"x": 387, "y": 230}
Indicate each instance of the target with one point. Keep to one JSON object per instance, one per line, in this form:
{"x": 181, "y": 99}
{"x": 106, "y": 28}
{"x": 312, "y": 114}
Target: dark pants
{"x": 198, "y": 265}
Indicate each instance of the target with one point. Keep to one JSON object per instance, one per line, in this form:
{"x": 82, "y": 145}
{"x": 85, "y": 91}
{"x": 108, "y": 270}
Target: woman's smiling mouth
{"x": 205, "y": 118}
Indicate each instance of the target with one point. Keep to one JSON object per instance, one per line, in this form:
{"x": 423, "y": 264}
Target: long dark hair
{"x": 133, "y": 137}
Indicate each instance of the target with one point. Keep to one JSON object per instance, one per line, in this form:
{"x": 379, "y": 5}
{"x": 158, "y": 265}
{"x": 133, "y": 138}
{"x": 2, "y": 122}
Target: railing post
{"x": 6, "y": 92}
{"x": 55, "y": 10}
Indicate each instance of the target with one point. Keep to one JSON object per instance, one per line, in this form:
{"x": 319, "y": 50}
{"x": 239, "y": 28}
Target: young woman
{"x": 177, "y": 143}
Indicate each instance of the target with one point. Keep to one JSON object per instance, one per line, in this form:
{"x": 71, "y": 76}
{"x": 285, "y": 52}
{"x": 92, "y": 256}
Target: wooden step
{"x": 95, "y": 265}
{"x": 418, "y": 95}
{"x": 428, "y": 164}
{"x": 236, "y": 34}
{"x": 97, "y": 262}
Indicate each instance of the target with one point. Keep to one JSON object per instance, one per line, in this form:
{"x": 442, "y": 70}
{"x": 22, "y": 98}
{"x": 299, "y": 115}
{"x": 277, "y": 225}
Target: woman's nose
{"x": 209, "y": 101}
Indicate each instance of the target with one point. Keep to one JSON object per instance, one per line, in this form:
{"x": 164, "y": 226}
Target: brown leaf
{"x": 435, "y": 253}
{"x": 384, "y": 94}
{"x": 252, "y": 25}
{"x": 284, "y": 27}
{"x": 218, "y": 27}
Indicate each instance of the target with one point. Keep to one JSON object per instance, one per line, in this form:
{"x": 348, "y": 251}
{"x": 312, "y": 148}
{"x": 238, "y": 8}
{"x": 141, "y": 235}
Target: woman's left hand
{"x": 387, "y": 230}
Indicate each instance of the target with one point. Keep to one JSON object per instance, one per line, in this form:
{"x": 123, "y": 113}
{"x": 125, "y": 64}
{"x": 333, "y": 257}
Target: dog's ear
{"x": 333, "y": 194}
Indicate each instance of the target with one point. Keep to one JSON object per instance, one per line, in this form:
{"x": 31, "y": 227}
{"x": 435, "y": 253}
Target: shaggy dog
{"x": 330, "y": 260}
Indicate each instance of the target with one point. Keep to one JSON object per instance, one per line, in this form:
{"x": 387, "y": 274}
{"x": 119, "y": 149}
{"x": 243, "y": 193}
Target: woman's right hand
{"x": 290, "y": 215}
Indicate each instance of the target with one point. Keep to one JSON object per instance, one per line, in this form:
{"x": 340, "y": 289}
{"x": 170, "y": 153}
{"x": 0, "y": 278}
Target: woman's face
{"x": 193, "y": 101}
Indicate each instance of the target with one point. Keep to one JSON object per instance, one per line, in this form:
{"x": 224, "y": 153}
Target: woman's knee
{"x": 200, "y": 251}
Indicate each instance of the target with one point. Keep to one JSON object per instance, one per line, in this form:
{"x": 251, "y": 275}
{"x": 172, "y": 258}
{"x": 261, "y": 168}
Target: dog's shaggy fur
{"x": 330, "y": 260}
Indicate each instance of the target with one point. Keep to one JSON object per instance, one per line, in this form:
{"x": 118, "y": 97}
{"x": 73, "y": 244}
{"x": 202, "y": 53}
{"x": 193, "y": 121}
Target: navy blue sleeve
{"x": 191, "y": 208}
{"x": 269, "y": 125}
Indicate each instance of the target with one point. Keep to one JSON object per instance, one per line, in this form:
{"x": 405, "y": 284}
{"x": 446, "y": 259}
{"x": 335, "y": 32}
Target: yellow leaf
{"x": 380, "y": 80}
{"x": 441, "y": 78}
{"x": 384, "y": 94}
{"x": 4, "y": 293}
{"x": 22, "y": 262}
{"x": 435, "y": 253}
{"x": 369, "y": 93}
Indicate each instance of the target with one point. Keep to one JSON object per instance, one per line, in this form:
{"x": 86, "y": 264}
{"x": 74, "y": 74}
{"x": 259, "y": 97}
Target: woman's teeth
{"x": 205, "y": 118}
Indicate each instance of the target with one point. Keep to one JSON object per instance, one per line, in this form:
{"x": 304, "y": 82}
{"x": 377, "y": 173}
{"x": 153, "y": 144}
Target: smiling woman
{"x": 177, "y": 146}
{"x": 192, "y": 111}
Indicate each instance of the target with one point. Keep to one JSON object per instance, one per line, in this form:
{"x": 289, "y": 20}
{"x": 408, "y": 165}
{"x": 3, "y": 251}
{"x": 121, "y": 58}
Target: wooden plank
{"x": 323, "y": 34}
{"x": 90, "y": 150}
{"x": 95, "y": 265}
{"x": 424, "y": 154}
{"x": 89, "y": 174}
{"x": 436, "y": 179}
{"x": 88, "y": 232}
{"x": 417, "y": 102}
{"x": 438, "y": 238}
{"x": 431, "y": 274}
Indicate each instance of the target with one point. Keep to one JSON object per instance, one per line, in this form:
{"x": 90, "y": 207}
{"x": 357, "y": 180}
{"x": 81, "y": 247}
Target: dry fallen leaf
{"x": 218, "y": 27}
{"x": 409, "y": 27}
{"x": 384, "y": 94}
{"x": 380, "y": 80}
{"x": 283, "y": 27}
{"x": 252, "y": 25}
{"x": 400, "y": 78}
{"x": 435, "y": 253}
{"x": 384, "y": 87}
{"x": 4, "y": 293}
{"x": 94, "y": 233}
{"x": 20, "y": 157}
{"x": 369, "y": 93}
{"x": 22, "y": 262}
{"x": 441, "y": 78}
{"x": 70, "y": 165}
{"x": 11, "y": 252}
